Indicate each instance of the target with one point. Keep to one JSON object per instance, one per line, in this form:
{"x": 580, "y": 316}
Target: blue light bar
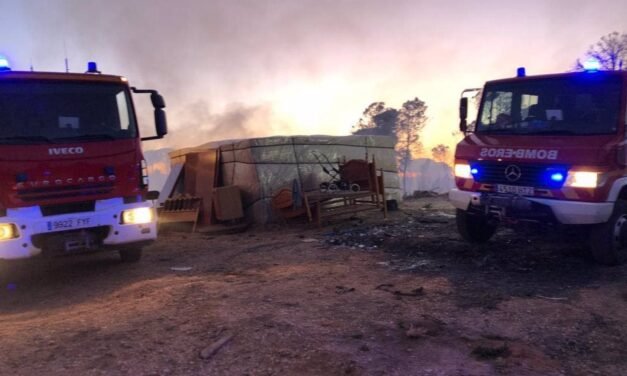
{"x": 4, "y": 64}
{"x": 474, "y": 171}
{"x": 591, "y": 65}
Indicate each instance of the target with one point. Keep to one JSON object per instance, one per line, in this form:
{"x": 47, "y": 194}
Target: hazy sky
{"x": 234, "y": 69}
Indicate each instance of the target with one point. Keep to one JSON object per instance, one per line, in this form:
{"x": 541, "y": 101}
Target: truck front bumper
{"x": 101, "y": 228}
{"x": 564, "y": 212}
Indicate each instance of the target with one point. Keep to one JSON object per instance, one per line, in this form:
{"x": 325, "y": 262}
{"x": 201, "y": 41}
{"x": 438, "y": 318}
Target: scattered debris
{"x": 491, "y": 351}
{"x": 415, "y": 292}
{"x": 550, "y": 298}
{"x": 426, "y": 326}
{"x": 343, "y": 289}
{"x": 387, "y": 287}
{"x": 211, "y": 350}
{"x": 181, "y": 268}
{"x": 423, "y": 194}
{"x": 445, "y": 215}
{"x": 384, "y": 286}
{"x": 416, "y": 332}
{"x": 373, "y": 236}
{"x": 414, "y": 265}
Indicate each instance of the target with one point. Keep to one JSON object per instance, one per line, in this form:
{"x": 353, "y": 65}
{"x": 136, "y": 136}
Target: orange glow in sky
{"x": 235, "y": 69}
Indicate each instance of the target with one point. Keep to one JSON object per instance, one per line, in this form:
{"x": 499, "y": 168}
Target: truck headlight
{"x": 8, "y": 231}
{"x": 137, "y": 216}
{"x": 582, "y": 179}
{"x": 462, "y": 170}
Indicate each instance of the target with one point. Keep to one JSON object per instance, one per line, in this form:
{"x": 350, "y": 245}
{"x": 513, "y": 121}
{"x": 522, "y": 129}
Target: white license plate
{"x": 515, "y": 189}
{"x": 68, "y": 224}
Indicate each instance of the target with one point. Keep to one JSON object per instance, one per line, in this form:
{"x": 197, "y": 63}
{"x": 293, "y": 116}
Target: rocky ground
{"x": 363, "y": 296}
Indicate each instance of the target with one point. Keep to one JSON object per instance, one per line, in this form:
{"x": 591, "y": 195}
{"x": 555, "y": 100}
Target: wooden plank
{"x": 228, "y": 203}
{"x": 385, "y": 203}
{"x": 201, "y": 174}
{"x": 347, "y": 210}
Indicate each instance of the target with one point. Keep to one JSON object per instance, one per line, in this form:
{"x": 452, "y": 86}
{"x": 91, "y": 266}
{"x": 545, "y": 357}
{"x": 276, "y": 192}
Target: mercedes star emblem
{"x": 512, "y": 173}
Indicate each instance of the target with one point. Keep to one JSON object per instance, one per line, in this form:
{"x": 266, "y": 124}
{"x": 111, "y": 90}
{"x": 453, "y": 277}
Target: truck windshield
{"x": 53, "y": 111}
{"x": 583, "y": 104}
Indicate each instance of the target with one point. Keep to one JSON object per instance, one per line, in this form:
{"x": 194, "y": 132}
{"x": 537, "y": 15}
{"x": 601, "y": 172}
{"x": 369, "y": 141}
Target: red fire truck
{"x": 72, "y": 173}
{"x": 547, "y": 149}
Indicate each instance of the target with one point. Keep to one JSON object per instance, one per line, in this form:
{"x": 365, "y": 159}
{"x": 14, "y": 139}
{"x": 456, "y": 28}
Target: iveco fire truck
{"x": 547, "y": 149}
{"x": 72, "y": 173}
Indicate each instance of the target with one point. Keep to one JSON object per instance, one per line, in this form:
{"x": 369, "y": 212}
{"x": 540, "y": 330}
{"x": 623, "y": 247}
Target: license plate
{"x": 515, "y": 189}
{"x": 68, "y": 224}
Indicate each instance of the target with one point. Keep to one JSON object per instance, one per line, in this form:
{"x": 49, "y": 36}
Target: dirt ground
{"x": 404, "y": 296}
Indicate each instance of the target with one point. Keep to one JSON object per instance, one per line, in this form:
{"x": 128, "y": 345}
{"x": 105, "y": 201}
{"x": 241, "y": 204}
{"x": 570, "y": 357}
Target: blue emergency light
{"x": 92, "y": 67}
{"x": 4, "y": 64}
{"x": 557, "y": 177}
{"x": 521, "y": 72}
{"x": 591, "y": 65}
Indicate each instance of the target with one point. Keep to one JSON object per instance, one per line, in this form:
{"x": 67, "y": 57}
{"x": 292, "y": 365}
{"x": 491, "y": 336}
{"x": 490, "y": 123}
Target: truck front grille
{"x": 531, "y": 175}
{"x": 51, "y": 193}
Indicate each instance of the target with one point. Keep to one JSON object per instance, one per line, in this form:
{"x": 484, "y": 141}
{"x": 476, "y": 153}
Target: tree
{"x": 377, "y": 119}
{"x": 440, "y": 153}
{"x": 610, "y": 51}
{"x": 411, "y": 120}
{"x": 406, "y": 124}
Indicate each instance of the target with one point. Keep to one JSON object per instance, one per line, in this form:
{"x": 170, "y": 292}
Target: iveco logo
{"x": 66, "y": 151}
{"x": 512, "y": 173}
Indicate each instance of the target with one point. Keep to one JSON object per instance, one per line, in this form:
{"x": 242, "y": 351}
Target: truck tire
{"x": 130, "y": 254}
{"x": 474, "y": 228}
{"x": 608, "y": 241}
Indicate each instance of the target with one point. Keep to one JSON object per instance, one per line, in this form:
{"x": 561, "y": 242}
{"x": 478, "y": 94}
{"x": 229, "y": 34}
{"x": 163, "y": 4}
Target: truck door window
{"x": 123, "y": 114}
{"x": 497, "y": 109}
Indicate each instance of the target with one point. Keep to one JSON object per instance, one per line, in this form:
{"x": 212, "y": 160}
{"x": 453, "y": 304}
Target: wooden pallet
{"x": 180, "y": 209}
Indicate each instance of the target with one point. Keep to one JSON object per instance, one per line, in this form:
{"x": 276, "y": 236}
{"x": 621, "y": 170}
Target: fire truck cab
{"x": 72, "y": 174}
{"x": 547, "y": 149}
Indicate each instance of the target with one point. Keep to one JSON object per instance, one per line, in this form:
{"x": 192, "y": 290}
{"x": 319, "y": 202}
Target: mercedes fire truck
{"x": 551, "y": 149}
{"x": 72, "y": 174}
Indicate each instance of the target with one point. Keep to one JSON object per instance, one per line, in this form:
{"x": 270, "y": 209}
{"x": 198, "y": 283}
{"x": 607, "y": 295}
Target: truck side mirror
{"x": 157, "y": 100}
{"x": 161, "y": 124}
{"x": 463, "y": 114}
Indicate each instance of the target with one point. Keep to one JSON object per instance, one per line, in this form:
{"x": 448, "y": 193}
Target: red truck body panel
{"x": 101, "y": 170}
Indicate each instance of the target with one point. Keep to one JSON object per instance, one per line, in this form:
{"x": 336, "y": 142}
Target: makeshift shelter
{"x": 261, "y": 167}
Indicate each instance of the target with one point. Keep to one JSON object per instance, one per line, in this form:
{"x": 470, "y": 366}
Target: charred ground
{"x": 404, "y": 296}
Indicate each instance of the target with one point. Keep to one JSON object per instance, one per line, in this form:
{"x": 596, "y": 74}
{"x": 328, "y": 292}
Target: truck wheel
{"x": 130, "y": 254}
{"x": 474, "y": 228}
{"x": 608, "y": 241}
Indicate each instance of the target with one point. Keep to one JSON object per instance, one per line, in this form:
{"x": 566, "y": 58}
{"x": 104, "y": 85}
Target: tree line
{"x": 610, "y": 51}
{"x": 406, "y": 124}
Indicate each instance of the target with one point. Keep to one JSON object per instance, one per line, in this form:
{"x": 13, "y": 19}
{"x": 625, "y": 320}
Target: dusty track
{"x": 421, "y": 303}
